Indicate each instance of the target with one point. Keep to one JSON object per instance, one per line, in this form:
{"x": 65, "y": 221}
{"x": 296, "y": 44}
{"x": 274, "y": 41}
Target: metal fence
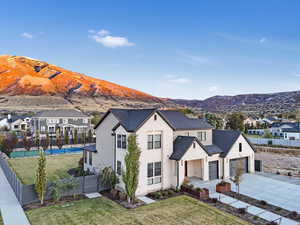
{"x": 276, "y": 142}
{"x": 26, "y": 194}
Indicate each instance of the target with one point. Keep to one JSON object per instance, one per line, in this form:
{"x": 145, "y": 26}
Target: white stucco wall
{"x": 158, "y": 126}
{"x": 291, "y": 136}
{"x": 234, "y": 153}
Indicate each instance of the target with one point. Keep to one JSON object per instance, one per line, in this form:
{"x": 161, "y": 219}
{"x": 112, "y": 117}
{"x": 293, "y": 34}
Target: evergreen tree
{"x": 41, "y": 177}
{"x": 130, "y": 176}
{"x": 90, "y": 136}
{"x": 67, "y": 139}
{"x": 75, "y": 138}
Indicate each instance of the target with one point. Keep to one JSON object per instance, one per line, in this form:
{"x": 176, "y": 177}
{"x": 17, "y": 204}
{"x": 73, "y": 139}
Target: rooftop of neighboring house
{"x": 132, "y": 119}
{"x": 14, "y": 118}
{"x": 60, "y": 113}
{"x": 291, "y": 130}
{"x": 290, "y": 124}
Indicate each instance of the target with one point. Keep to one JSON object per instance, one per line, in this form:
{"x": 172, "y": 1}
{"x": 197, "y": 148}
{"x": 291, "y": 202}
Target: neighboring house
{"x": 172, "y": 146}
{"x": 268, "y": 120}
{"x": 64, "y": 120}
{"x": 250, "y": 121}
{"x": 16, "y": 123}
{"x": 291, "y": 133}
{"x": 277, "y": 128}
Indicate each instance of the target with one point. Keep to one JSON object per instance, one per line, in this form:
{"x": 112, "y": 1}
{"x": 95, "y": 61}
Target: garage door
{"x": 235, "y": 163}
{"x": 213, "y": 170}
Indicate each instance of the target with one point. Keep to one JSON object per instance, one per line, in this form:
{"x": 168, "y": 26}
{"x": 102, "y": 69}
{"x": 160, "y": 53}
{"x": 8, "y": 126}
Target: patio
{"x": 276, "y": 192}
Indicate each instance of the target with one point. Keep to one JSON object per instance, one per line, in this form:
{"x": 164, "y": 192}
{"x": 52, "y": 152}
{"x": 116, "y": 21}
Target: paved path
{"x": 291, "y": 180}
{"x": 11, "y": 211}
{"x": 146, "y": 200}
{"x": 262, "y": 213}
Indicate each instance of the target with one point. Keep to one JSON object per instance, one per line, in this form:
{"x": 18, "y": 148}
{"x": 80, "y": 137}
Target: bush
{"x": 213, "y": 200}
{"x": 272, "y": 223}
{"x": 157, "y": 195}
{"x": 242, "y": 211}
{"x": 171, "y": 192}
{"x": 199, "y": 189}
{"x": 294, "y": 214}
{"x": 278, "y": 173}
{"x": 289, "y": 174}
{"x": 165, "y": 193}
{"x": 263, "y": 202}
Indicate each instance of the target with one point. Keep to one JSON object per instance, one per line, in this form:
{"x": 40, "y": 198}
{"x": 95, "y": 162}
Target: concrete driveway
{"x": 276, "y": 192}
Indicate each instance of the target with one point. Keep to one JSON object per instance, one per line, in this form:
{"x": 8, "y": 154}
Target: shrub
{"x": 289, "y": 174}
{"x": 157, "y": 195}
{"x": 199, "y": 189}
{"x": 171, "y": 192}
{"x": 242, "y": 211}
{"x": 263, "y": 202}
{"x": 165, "y": 193}
{"x": 255, "y": 217}
{"x": 294, "y": 214}
{"x": 272, "y": 223}
{"x": 222, "y": 183}
{"x": 278, "y": 173}
{"x": 213, "y": 200}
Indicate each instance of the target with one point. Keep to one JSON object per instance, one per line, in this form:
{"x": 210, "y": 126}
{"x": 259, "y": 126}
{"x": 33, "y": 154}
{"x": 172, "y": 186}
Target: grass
{"x": 181, "y": 210}
{"x": 56, "y": 165}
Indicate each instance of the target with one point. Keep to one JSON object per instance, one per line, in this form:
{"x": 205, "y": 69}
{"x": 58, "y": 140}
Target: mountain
{"x": 257, "y": 103}
{"x": 33, "y": 83}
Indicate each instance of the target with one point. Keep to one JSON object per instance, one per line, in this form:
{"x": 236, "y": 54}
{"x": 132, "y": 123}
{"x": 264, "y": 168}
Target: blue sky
{"x": 178, "y": 49}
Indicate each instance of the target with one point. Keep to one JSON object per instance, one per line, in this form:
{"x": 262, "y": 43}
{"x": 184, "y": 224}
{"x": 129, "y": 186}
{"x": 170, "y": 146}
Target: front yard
{"x": 25, "y": 168}
{"x": 179, "y": 210}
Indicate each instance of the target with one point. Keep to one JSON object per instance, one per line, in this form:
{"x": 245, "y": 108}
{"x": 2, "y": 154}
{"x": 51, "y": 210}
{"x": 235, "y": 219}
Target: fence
{"x": 276, "y": 142}
{"x": 26, "y": 194}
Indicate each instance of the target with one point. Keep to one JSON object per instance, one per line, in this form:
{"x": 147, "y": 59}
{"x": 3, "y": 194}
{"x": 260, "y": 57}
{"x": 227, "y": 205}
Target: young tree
{"x": 237, "y": 179}
{"x": 130, "y": 176}
{"x": 67, "y": 138}
{"x": 59, "y": 141}
{"x": 90, "y": 136}
{"x": 27, "y": 142}
{"x": 83, "y": 138}
{"x": 75, "y": 138}
{"x": 45, "y": 142}
{"x": 41, "y": 177}
{"x": 9, "y": 143}
{"x": 236, "y": 121}
{"x": 109, "y": 178}
{"x": 214, "y": 120}
{"x": 37, "y": 140}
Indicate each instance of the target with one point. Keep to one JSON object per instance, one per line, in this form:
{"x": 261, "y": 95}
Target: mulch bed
{"x": 265, "y": 205}
{"x": 233, "y": 211}
{"x": 62, "y": 201}
{"x": 123, "y": 203}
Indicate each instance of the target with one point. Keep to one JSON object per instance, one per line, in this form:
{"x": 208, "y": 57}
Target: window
{"x": 155, "y": 117}
{"x": 90, "y": 158}
{"x": 202, "y": 136}
{"x": 154, "y": 173}
{"x": 194, "y": 145}
{"x": 121, "y": 141}
{"x": 119, "y": 166}
{"x": 154, "y": 141}
{"x": 85, "y": 156}
{"x": 240, "y": 147}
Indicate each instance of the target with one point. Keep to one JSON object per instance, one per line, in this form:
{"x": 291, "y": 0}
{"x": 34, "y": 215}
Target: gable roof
{"x": 15, "y": 118}
{"x": 225, "y": 139}
{"x": 291, "y": 130}
{"x": 132, "y": 119}
{"x": 182, "y": 144}
{"x": 90, "y": 148}
{"x": 60, "y": 113}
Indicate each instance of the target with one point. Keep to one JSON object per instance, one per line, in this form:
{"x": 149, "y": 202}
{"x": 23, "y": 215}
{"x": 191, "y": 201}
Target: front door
{"x": 185, "y": 169}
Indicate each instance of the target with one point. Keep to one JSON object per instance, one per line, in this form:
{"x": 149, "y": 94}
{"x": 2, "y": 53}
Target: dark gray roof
{"x": 213, "y": 149}
{"x": 291, "y": 130}
{"x": 15, "y": 118}
{"x": 60, "y": 113}
{"x": 224, "y": 139}
{"x": 132, "y": 119}
{"x": 181, "y": 122}
{"x": 90, "y": 148}
{"x": 182, "y": 144}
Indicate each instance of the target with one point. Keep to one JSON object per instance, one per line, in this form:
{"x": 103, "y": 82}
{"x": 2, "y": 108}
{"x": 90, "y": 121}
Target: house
{"x": 291, "y": 133}
{"x": 268, "y": 120}
{"x": 16, "y": 123}
{"x": 172, "y": 146}
{"x": 250, "y": 121}
{"x": 277, "y": 128}
{"x": 64, "y": 120}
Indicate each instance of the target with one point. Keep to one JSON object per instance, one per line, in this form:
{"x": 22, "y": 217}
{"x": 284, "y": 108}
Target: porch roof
{"x": 90, "y": 148}
{"x": 182, "y": 144}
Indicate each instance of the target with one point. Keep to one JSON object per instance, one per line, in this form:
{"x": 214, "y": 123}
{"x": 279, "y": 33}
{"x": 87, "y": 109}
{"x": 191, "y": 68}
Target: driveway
{"x": 276, "y": 192}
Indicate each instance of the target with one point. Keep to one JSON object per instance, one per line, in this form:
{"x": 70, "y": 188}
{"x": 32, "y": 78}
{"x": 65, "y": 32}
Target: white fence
{"x": 280, "y": 142}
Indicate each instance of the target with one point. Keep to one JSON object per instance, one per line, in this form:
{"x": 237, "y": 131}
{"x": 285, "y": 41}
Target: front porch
{"x": 194, "y": 169}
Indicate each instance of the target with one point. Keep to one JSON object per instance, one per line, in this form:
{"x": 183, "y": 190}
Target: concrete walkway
{"x": 291, "y": 180}
{"x": 146, "y": 200}
{"x": 11, "y": 211}
{"x": 262, "y": 213}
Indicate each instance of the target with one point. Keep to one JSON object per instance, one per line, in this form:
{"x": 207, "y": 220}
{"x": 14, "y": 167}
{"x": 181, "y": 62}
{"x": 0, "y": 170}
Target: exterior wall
{"x": 105, "y": 142}
{"x": 4, "y": 123}
{"x": 291, "y": 136}
{"x": 234, "y": 153}
{"x": 194, "y": 133}
{"x": 169, "y": 178}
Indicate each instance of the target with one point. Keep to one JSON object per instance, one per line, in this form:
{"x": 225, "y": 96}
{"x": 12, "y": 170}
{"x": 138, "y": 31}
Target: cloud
{"x": 103, "y": 37}
{"x": 27, "y": 35}
{"x": 175, "y": 79}
{"x": 195, "y": 59}
{"x": 213, "y": 89}
{"x": 92, "y": 31}
{"x": 262, "y": 40}
{"x": 236, "y": 38}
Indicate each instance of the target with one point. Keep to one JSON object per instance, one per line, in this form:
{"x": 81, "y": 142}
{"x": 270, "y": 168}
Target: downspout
{"x": 177, "y": 168}
{"x": 114, "y": 164}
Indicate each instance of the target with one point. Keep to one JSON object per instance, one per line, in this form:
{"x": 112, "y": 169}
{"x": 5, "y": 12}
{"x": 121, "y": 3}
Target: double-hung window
{"x": 119, "y": 167}
{"x": 202, "y": 136}
{"x": 121, "y": 141}
{"x": 154, "y": 141}
{"x": 154, "y": 173}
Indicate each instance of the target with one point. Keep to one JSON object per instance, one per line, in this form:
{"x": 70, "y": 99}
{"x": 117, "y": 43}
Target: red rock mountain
{"x": 25, "y": 76}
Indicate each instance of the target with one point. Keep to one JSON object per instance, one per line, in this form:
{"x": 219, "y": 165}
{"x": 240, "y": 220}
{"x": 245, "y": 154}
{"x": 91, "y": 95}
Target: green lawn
{"x": 181, "y": 210}
{"x": 56, "y": 165}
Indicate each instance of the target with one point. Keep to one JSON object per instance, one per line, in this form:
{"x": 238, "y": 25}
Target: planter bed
{"x": 62, "y": 201}
{"x": 233, "y": 211}
{"x": 200, "y": 193}
{"x": 165, "y": 194}
{"x": 121, "y": 199}
{"x": 265, "y": 205}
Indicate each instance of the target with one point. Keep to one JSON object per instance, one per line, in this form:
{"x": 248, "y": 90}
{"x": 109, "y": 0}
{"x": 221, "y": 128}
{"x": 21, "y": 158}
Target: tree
{"x": 90, "y": 136}
{"x": 41, "y": 177}
{"x": 130, "y": 176}
{"x": 237, "y": 179}
{"x": 9, "y": 143}
{"x": 37, "y": 140}
{"x": 298, "y": 115}
{"x": 59, "y": 186}
{"x": 45, "y": 142}
{"x": 214, "y": 120}
{"x": 75, "y": 138}
{"x": 67, "y": 138}
{"x": 27, "y": 142}
{"x": 95, "y": 120}
{"x": 83, "y": 138}
{"x": 109, "y": 178}
{"x": 236, "y": 121}
{"x": 59, "y": 141}
{"x": 267, "y": 134}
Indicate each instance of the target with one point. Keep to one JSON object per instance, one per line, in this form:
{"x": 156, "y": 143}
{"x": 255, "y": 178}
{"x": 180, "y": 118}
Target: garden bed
{"x": 120, "y": 198}
{"x": 265, "y": 205}
{"x": 51, "y": 202}
{"x": 165, "y": 194}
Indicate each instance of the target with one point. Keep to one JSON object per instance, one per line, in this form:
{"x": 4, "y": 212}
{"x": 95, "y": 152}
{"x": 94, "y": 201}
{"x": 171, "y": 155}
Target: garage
{"x": 213, "y": 170}
{"x": 235, "y": 163}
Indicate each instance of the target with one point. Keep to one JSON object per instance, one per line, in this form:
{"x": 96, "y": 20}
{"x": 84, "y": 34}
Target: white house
{"x": 172, "y": 146}
{"x": 16, "y": 123}
{"x": 277, "y": 128}
{"x": 291, "y": 133}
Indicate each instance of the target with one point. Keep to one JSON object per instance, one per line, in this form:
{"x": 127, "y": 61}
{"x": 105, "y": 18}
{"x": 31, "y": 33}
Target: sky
{"x": 176, "y": 49}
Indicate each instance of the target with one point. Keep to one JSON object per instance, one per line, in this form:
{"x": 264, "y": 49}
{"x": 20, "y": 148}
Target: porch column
{"x": 205, "y": 169}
